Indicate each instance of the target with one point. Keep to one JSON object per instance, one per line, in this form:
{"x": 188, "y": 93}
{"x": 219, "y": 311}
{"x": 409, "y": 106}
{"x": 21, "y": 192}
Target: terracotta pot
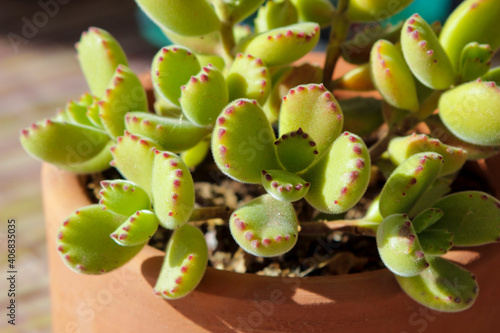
{"x": 123, "y": 301}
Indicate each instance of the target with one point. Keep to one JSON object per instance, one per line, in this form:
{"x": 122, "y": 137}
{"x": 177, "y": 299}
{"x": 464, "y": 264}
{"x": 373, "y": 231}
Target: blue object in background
{"x": 430, "y": 10}
{"x": 150, "y": 31}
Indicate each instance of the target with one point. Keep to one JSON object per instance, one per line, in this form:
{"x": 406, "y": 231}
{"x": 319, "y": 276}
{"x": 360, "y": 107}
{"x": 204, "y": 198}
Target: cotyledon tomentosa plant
{"x": 267, "y": 121}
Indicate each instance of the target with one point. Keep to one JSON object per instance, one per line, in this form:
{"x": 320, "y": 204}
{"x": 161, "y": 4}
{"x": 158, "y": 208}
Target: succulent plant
{"x": 272, "y": 122}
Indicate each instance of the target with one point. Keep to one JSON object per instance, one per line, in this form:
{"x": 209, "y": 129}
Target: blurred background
{"x": 38, "y": 74}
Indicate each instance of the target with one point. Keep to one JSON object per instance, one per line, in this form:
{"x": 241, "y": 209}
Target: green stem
{"x": 338, "y": 34}
{"x": 228, "y": 42}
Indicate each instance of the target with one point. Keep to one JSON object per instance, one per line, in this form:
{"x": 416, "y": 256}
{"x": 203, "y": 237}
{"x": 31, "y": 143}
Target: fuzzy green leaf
{"x": 319, "y": 11}
{"x": 475, "y": 61}
{"x": 243, "y": 142}
{"x": 275, "y": 14}
{"x": 473, "y": 217}
{"x": 99, "y": 54}
{"x": 399, "y": 246}
{"x": 138, "y": 229}
{"x": 472, "y": 112}
{"x": 194, "y": 156}
{"x": 123, "y": 197}
{"x": 173, "y": 190}
{"x": 85, "y": 246}
{"x": 426, "y": 219}
{"x": 340, "y": 179}
{"x": 296, "y": 151}
{"x": 265, "y": 226}
{"x": 186, "y": 258}
{"x": 436, "y": 242}
{"x": 443, "y": 286}
{"x": 284, "y": 185}
{"x": 374, "y": 10}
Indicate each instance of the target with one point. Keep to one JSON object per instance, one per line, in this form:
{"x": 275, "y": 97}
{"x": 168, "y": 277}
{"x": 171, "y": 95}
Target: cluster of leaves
{"x": 236, "y": 93}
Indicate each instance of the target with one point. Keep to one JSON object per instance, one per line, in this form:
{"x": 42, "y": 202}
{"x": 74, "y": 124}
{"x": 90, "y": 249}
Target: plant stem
{"x": 338, "y": 34}
{"x": 219, "y": 215}
{"x": 228, "y": 42}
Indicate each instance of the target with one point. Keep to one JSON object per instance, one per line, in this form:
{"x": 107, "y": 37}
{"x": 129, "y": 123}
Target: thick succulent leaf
{"x": 473, "y": 21}
{"x": 172, "y": 67}
{"x": 243, "y": 142}
{"x": 77, "y": 114}
{"x": 399, "y": 246}
{"x": 392, "y": 77}
{"x": 472, "y": 112}
{"x": 426, "y": 219}
{"x": 204, "y": 44}
{"x": 408, "y": 182}
{"x": 284, "y": 45}
{"x": 69, "y": 146}
{"x": 373, "y": 213}
{"x": 236, "y": 11}
{"x": 339, "y": 179}
{"x": 493, "y": 75}
{"x": 123, "y": 197}
{"x": 93, "y": 114}
{"x": 475, "y": 61}
{"x": 186, "y": 258}
{"x": 473, "y": 217}
{"x": 173, "y": 190}
{"x": 319, "y": 11}
{"x": 402, "y": 148}
{"x": 436, "y": 242}
{"x": 284, "y": 185}
{"x": 265, "y": 227}
{"x": 248, "y": 77}
{"x": 290, "y": 78}
{"x": 315, "y": 110}
{"x": 204, "y": 96}
{"x": 85, "y": 246}
{"x": 275, "y": 14}
{"x": 444, "y": 286}
{"x": 170, "y": 133}
{"x": 133, "y": 157}
{"x": 210, "y": 59}
{"x": 474, "y": 152}
{"x": 99, "y": 54}
{"x": 296, "y": 151}
{"x": 163, "y": 107}
{"x": 125, "y": 93}
{"x": 374, "y": 10}
{"x": 439, "y": 188}
{"x": 425, "y": 56}
{"x": 357, "y": 49}
{"x": 188, "y": 18}
{"x": 137, "y": 229}
{"x": 194, "y": 156}
{"x": 357, "y": 79}
{"x": 362, "y": 116}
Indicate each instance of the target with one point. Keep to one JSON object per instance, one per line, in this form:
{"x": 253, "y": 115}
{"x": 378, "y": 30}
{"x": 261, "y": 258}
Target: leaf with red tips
{"x": 204, "y": 97}
{"x": 471, "y": 112}
{"x": 77, "y": 113}
{"x": 284, "y": 185}
{"x": 472, "y": 21}
{"x": 278, "y": 47}
{"x": 408, "y": 182}
{"x": 207, "y": 44}
{"x": 69, "y": 146}
{"x": 249, "y": 78}
{"x": 425, "y": 56}
{"x": 93, "y": 113}
{"x": 399, "y": 246}
{"x": 172, "y": 67}
{"x": 296, "y": 150}
{"x": 85, "y": 243}
{"x": 123, "y": 197}
{"x": 170, "y": 133}
{"x": 340, "y": 178}
{"x": 392, "y": 77}
{"x": 315, "y": 110}
{"x": 275, "y": 14}
{"x": 426, "y": 219}
{"x": 243, "y": 142}
{"x": 475, "y": 61}
{"x": 186, "y": 258}
{"x": 319, "y": 11}
{"x": 402, "y": 148}
{"x": 99, "y": 55}
{"x": 444, "y": 286}
{"x": 193, "y": 18}
{"x": 265, "y": 227}
{"x": 439, "y": 188}
{"x": 436, "y": 242}
{"x": 138, "y": 229}
{"x": 492, "y": 75}
{"x": 125, "y": 93}
{"x": 363, "y": 11}
{"x": 288, "y": 79}
{"x": 194, "y": 156}
{"x": 172, "y": 189}
{"x": 133, "y": 157}
{"x": 473, "y": 217}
